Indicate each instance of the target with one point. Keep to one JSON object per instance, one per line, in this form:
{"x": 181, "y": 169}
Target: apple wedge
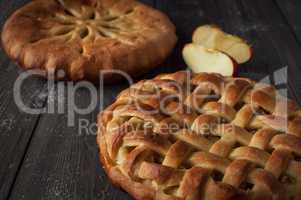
{"x": 200, "y": 59}
{"x": 212, "y": 37}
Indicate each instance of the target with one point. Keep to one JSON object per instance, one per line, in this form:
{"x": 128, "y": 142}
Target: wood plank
{"x": 259, "y": 22}
{"x": 62, "y": 164}
{"x": 280, "y": 48}
{"x": 16, "y": 126}
{"x": 63, "y": 161}
{"x": 291, "y": 12}
{"x": 185, "y": 16}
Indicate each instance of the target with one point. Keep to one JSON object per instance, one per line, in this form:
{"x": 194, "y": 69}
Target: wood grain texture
{"x": 260, "y": 23}
{"x": 62, "y": 161}
{"x": 291, "y": 12}
{"x": 16, "y": 127}
{"x": 44, "y": 158}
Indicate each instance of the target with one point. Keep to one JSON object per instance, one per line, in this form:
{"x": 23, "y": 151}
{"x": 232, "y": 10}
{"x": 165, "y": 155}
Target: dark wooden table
{"x": 41, "y": 157}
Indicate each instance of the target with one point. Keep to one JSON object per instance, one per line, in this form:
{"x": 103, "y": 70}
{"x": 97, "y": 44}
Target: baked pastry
{"x": 202, "y": 136}
{"x": 83, "y": 37}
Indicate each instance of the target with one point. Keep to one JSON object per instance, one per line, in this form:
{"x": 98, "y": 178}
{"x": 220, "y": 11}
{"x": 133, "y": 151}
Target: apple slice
{"x": 200, "y": 59}
{"x": 212, "y": 37}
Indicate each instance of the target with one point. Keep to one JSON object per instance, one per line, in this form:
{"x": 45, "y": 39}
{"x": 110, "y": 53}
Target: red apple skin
{"x": 235, "y": 67}
{"x": 252, "y": 53}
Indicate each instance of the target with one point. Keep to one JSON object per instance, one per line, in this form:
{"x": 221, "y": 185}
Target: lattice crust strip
{"x": 202, "y": 136}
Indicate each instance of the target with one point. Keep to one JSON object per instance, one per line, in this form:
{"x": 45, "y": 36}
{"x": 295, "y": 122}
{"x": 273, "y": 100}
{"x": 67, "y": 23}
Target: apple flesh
{"x": 200, "y": 59}
{"x": 213, "y": 37}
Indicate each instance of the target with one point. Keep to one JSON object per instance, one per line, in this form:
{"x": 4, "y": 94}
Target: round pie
{"x": 84, "y": 37}
{"x": 186, "y": 136}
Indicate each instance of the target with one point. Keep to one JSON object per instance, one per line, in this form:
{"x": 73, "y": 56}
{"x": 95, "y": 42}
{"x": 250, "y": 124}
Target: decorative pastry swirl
{"x": 84, "y": 37}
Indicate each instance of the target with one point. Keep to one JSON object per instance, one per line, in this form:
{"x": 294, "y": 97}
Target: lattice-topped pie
{"x": 85, "y": 36}
{"x": 202, "y": 136}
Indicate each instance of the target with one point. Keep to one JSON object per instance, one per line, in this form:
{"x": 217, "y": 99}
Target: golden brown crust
{"x": 244, "y": 142}
{"x": 85, "y": 36}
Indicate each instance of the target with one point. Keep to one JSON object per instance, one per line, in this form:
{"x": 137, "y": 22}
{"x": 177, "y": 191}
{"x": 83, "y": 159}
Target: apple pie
{"x": 84, "y": 37}
{"x": 202, "y": 136}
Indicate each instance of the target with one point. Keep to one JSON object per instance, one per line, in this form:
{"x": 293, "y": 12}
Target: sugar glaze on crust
{"x": 83, "y": 37}
{"x": 244, "y": 142}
